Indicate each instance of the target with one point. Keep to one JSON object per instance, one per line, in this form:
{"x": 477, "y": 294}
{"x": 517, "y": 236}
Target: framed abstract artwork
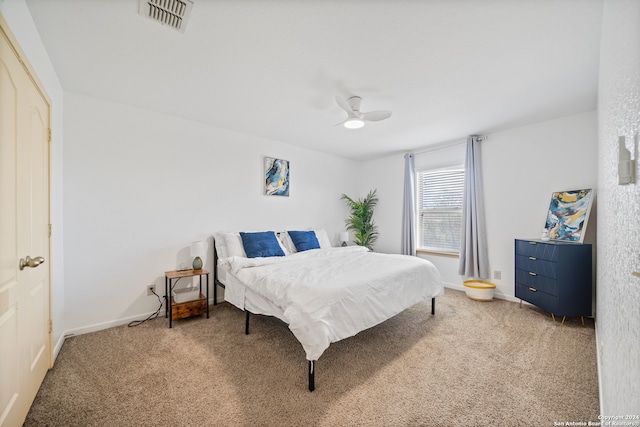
{"x": 276, "y": 177}
{"x": 568, "y": 215}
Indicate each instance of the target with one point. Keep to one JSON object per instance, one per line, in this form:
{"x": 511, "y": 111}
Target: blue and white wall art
{"x": 276, "y": 172}
{"x": 568, "y": 215}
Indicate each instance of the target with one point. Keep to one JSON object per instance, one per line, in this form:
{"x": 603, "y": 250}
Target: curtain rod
{"x": 448, "y": 144}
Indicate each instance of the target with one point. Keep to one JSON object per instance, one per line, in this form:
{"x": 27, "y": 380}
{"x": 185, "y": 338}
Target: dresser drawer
{"x": 536, "y": 265}
{"x": 555, "y": 276}
{"x": 536, "y": 297}
{"x": 537, "y": 281}
{"x": 537, "y": 250}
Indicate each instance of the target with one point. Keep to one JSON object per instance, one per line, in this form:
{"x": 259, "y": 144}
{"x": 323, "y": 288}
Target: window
{"x": 440, "y": 194}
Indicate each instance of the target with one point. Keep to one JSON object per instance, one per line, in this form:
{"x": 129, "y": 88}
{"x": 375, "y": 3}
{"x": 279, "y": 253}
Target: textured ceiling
{"x": 446, "y": 68}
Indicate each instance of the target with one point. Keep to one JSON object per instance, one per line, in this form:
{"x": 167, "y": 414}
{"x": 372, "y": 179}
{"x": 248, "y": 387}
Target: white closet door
{"x": 25, "y": 336}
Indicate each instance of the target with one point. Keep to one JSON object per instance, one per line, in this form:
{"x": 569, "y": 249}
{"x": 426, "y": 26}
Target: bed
{"x": 324, "y": 293}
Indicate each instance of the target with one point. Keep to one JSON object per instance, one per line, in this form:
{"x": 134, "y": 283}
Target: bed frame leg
{"x": 433, "y": 306}
{"x": 246, "y": 322}
{"x": 312, "y": 374}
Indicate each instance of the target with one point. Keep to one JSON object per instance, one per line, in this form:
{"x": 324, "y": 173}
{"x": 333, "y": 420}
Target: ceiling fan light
{"x": 353, "y": 123}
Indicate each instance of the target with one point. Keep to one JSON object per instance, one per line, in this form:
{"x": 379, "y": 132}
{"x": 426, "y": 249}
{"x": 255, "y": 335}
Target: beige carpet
{"x": 472, "y": 364}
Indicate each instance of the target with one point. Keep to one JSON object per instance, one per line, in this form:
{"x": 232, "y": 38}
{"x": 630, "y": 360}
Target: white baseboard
{"x": 94, "y": 328}
{"x": 123, "y": 321}
{"x": 113, "y": 323}
{"x": 598, "y": 367}
{"x": 496, "y": 295}
{"x": 57, "y": 347}
{"x": 454, "y": 286}
{"x": 109, "y": 324}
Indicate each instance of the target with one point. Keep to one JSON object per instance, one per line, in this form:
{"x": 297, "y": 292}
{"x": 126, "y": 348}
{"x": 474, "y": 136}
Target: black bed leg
{"x": 246, "y": 323}
{"x": 312, "y": 373}
{"x": 433, "y": 306}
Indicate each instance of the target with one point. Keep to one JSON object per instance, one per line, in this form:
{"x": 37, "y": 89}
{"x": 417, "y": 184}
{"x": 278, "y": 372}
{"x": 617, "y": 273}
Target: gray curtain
{"x": 474, "y": 260}
{"x": 409, "y": 207}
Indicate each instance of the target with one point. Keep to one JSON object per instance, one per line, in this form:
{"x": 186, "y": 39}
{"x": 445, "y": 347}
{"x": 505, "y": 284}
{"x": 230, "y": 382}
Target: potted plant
{"x": 361, "y": 219}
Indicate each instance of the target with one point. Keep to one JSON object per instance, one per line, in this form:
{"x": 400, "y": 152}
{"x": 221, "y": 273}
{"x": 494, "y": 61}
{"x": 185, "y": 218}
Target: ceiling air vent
{"x": 173, "y": 13}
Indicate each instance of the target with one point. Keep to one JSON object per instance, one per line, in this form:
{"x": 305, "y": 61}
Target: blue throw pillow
{"x": 261, "y": 244}
{"x": 304, "y": 240}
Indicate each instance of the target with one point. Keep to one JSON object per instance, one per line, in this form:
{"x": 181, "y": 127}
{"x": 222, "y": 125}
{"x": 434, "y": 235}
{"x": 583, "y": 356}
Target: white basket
{"x": 186, "y": 294}
{"x": 479, "y": 290}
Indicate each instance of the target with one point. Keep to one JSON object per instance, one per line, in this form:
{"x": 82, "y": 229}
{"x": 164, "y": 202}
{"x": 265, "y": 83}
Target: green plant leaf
{"x": 361, "y": 219}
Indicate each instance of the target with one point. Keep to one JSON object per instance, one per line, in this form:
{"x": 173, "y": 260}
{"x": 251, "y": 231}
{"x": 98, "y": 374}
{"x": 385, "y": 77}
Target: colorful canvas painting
{"x": 568, "y": 215}
{"x": 276, "y": 172}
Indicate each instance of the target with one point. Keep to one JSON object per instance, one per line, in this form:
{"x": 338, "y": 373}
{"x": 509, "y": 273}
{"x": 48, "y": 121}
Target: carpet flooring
{"x": 472, "y": 364}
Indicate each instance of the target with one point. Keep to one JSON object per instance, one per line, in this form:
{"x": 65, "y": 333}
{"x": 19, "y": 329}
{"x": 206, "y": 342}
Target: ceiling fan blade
{"x": 374, "y": 116}
{"x": 344, "y": 104}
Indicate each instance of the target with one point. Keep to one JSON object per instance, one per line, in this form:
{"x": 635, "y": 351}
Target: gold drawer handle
{"x": 532, "y": 274}
{"x": 532, "y": 258}
{"x": 533, "y": 289}
{"x": 533, "y": 243}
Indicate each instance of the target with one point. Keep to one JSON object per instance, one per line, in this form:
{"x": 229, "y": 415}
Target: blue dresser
{"x": 555, "y": 276}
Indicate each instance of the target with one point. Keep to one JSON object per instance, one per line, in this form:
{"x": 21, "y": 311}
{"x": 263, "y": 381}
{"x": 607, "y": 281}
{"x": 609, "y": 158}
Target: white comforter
{"x": 330, "y": 294}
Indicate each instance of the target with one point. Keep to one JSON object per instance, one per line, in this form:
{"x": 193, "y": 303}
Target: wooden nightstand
{"x": 174, "y": 310}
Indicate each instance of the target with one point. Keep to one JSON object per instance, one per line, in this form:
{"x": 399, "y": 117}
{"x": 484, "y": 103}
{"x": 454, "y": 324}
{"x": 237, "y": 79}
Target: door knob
{"x": 30, "y": 262}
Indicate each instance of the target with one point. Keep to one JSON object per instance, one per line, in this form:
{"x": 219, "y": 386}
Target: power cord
{"x": 152, "y": 316}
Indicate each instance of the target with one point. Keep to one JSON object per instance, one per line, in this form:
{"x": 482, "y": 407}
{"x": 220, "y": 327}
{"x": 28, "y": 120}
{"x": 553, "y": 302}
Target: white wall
{"x": 139, "y": 187}
{"x": 18, "y": 17}
{"x": 618, "y": 292}
{"x": 386, "y": 176}
{"x": 521, "y": 168}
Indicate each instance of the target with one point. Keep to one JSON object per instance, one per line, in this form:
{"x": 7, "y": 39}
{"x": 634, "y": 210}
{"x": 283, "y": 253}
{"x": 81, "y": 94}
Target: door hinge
{"x": 50, "y": 326}
{"x": 49, "y": 230}
{"x": 49, "y": 135}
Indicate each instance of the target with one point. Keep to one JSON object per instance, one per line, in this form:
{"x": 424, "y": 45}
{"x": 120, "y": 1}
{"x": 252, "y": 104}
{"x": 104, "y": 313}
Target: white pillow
{"x": 221, "y": 245}
{"x": 230, "y": 244}
{"x": 323, "y": 238}
{"x": 286, "y": 243}
{"x": 234, "y": 245}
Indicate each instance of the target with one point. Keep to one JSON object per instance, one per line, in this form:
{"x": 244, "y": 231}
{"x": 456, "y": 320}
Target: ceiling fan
{"x": 356, "y": 118}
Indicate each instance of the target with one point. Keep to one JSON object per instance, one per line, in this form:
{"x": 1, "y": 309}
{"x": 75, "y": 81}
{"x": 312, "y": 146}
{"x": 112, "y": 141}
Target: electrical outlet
{"x": 497, "y": 274}
{"x": 151, "y": 289}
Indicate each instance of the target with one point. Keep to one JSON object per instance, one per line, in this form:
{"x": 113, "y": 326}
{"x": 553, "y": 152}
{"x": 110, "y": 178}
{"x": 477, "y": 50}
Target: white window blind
{"x": 440, "y": 195}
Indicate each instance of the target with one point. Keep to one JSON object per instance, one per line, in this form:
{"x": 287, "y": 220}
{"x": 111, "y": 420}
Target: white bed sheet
{"x": 238, "y": 294}
{"x": 326, "y": 295}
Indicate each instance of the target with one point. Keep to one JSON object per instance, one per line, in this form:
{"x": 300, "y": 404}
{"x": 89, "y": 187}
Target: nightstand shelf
{"x": 180, "y": 310}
